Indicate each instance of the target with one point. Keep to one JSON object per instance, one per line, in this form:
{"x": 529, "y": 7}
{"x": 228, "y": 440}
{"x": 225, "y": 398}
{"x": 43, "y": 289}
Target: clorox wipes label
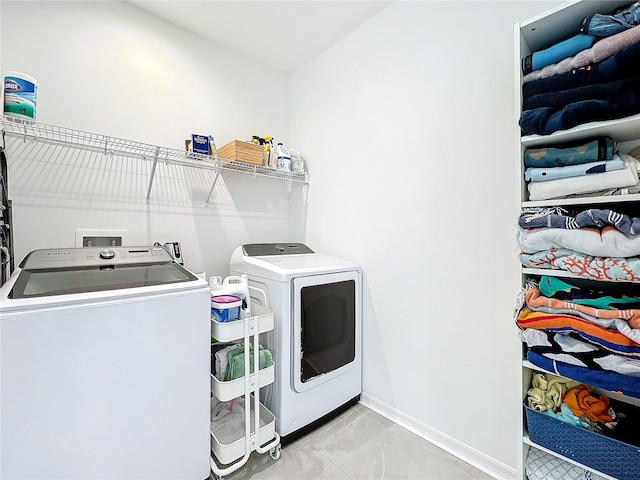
{"x": 19, "y": 97}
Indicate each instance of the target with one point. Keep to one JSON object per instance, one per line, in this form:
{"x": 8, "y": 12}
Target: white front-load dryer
{"x": 316, "y": 341}
{"x": 104, "y": 367}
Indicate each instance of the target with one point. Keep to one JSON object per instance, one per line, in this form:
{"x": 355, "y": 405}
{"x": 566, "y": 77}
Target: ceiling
{"x": 282, "y": 34}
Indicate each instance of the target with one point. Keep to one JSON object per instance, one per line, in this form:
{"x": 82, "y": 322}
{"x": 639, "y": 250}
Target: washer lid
{"x": 262, "y": 249}
{"x": 287, "y": 266}
{"x": 50, "y": 273}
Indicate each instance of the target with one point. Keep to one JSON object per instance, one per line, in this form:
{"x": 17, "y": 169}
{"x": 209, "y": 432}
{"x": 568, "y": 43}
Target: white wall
{"x": 408, "y": 125}
{"x": 109, "y": 68}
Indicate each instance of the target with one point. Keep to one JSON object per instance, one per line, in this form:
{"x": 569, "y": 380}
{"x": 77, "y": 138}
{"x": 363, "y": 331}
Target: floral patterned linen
{"x": 610, "y": 269}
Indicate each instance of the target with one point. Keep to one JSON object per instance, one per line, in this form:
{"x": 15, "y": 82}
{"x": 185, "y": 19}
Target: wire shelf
{"x": 117, "y": 146}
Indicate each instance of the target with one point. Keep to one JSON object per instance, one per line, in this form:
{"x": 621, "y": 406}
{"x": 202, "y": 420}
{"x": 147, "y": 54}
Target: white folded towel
{"x": 561, "y": 187}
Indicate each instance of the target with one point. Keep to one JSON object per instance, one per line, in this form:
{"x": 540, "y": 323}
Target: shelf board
{"x": 601, "y": 391}
{"x": 554, "y": 272}
{"x": 230, "y": 389}
{"x": 621, "y": 129}
{"x": 550, "y": 272}
{"x": 260, "y": 322}
{"x": 631, "y": 197}
{"x": 526, "y": 440}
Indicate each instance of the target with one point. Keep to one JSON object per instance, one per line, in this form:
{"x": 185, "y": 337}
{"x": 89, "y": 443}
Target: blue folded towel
{"x": 592, "y": 150}
{"x": 565, "y": 49}
{"x": 552, "y": 173}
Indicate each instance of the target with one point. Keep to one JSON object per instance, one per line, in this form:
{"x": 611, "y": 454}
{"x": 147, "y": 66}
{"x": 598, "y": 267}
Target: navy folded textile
{"x": 546, "y": 120}
{"x": 592, "y": 217}
{"x": 612, "y": 381}
{"x": 623, "y": 64}
{"x": 588, "y": 92}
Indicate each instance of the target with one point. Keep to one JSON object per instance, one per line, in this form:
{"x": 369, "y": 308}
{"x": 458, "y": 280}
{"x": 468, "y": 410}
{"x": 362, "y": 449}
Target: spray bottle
{"x": 269, "y": 157}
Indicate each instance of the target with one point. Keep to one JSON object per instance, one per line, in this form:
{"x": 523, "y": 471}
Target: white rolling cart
{"x": 235, "y": 436}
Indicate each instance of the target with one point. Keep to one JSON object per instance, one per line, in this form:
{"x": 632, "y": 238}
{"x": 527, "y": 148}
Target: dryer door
{"x": 326, "y": 327}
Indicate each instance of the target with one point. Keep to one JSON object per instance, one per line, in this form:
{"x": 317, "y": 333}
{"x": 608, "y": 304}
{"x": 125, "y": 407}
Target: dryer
{"x": 104, "y": 367}
{"x": 316, "y": 340}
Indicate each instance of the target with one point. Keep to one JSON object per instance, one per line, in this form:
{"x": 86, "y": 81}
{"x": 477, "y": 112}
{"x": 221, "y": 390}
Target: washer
{"x": 316, "y": 341}
{"x": 104, "y": 367}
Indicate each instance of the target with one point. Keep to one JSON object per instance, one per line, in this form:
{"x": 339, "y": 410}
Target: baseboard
{"x": 479, "y": 460}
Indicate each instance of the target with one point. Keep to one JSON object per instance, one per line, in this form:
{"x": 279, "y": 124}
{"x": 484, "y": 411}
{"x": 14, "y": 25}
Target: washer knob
{"x": 107, "y": 254}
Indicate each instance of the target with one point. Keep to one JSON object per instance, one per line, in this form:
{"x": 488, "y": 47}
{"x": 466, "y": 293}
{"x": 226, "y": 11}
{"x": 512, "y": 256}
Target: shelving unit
{"x": 235, "y": 436}
{"x": 51, "y": 134}
{"x": 6, "y": 232}
{"x": 533, "y": 35}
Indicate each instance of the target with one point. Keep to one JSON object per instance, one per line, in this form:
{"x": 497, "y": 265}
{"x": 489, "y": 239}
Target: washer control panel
{"x": 107, "y": 254}
{"x": 89, "y": 257}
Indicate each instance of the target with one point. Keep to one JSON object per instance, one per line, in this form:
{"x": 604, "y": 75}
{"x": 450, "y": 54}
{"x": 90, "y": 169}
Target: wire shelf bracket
{"x": 153, "y": 173}
{"x": 213, "y": 185}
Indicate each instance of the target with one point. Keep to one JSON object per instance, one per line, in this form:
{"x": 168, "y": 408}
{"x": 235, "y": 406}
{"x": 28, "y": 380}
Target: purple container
{"x": 225, "y": 308}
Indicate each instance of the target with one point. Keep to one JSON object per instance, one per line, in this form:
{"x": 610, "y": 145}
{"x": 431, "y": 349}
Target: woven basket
{"x": 607, "y": 455}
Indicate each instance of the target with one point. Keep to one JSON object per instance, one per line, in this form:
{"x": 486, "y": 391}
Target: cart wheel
{"x": 275, "y": 452}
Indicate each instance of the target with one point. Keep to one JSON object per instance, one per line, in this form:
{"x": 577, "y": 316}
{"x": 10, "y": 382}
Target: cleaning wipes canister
{"x": 20, "y": 91}
{"x": 225, "y": 308}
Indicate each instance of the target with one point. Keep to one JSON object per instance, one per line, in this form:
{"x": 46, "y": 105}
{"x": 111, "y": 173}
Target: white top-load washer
{"x": 104, "y": 367}
{"x": 316, "y": 340}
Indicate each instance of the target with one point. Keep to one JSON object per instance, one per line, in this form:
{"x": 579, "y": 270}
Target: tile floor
{"x": 359, "y": 444}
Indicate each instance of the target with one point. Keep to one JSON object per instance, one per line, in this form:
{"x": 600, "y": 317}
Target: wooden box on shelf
{"x": 242, "y": 152}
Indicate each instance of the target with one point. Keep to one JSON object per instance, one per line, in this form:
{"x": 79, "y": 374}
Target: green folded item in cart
{"x": 235, "y": 359}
